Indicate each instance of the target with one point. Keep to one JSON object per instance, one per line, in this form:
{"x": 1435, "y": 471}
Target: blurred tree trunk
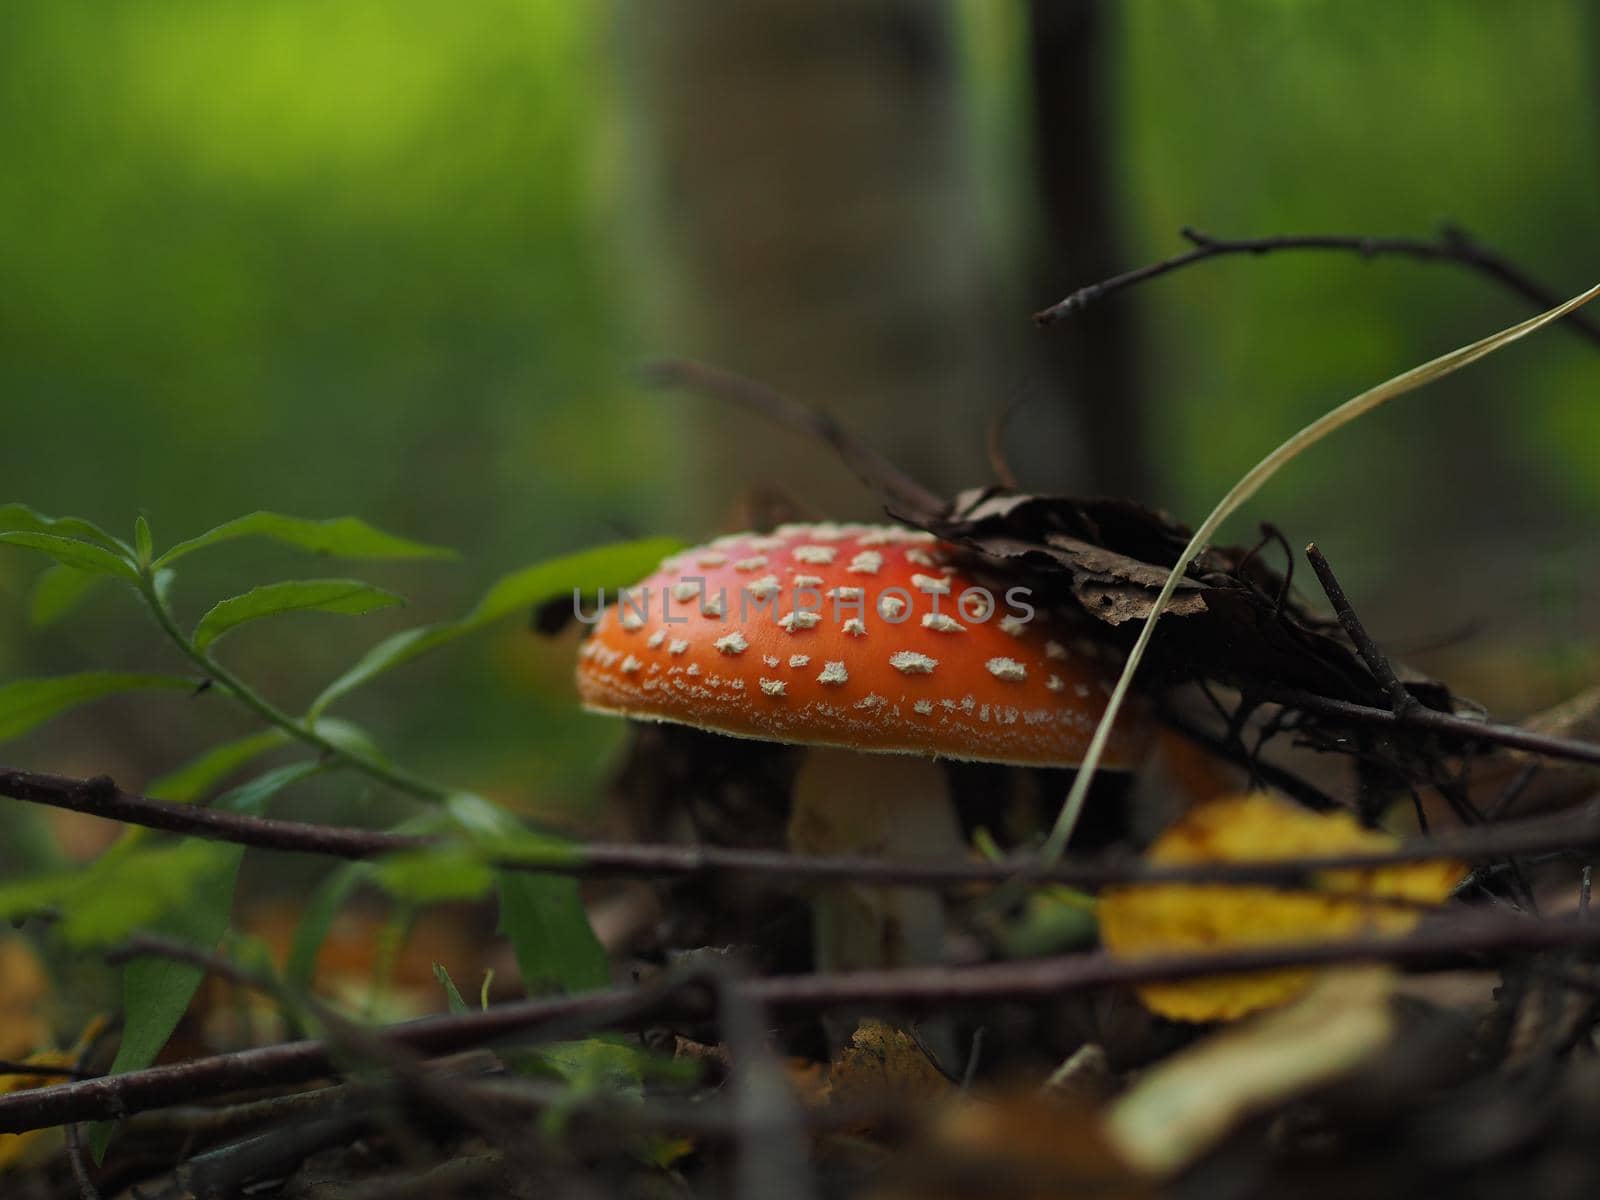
{"x": 1092, "y": 358}
{"x": 817, "y": 195}
{"x": 818, "y": 207}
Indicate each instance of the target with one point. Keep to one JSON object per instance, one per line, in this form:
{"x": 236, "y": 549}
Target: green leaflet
{"x": 71, "y": 552}
{"x": 341, "y": 537}
{"x": 321, "y": 912}
{"x": 26, "y": 703}
{"x": 122, "y": 892}
{"x": 156, "y": 991}
{"x": 347, "y": 596}
{"x": 452, "y": 994}
{"x": 143, "y": 540}
{"x": 199, "y": 775}
{"x": 555, "y": 947}
{"x": 542, "y": 915}
{"x": 23, "y": 897}
{"x": 436, "y": 875}
{"x": 21, "y": 518}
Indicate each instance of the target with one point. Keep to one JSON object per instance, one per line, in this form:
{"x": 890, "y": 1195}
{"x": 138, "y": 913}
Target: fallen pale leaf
{"x": 1184, "y": 1106}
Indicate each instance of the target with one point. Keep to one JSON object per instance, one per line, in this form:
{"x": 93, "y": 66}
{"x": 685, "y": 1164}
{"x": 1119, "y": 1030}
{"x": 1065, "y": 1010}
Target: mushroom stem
{"x": 889, "y": 805}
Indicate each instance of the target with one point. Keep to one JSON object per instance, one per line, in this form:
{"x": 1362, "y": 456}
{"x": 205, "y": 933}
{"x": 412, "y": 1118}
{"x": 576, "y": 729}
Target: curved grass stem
{"x": 1248, "y": 485}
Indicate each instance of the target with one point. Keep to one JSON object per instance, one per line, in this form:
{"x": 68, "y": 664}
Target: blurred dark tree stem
{"x": 1094, "y": 363}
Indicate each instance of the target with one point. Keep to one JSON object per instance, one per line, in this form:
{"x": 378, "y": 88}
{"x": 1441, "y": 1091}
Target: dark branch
{"x": 1463, "y": 728}
{"x": 100, "y": 797}
{"x": 155, "y": 945}
{"x": 1233, "y": 750}
{"x": 350, "y": 1042}
{"x": 80, "y": 1163}
{"x": 920, "y": 988}
{"x": 874, "y": 470}
{"x": 994, "y": 448}
{"x": 1403, "y": 701}
{"x": 1451, "y": 246}
{"x": 11, "y": 1066}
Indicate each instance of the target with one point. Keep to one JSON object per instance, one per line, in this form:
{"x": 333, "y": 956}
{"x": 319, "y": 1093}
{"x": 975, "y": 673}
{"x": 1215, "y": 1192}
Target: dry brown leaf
{"x": 1109, "y": 559}
{"x": 1179, "y": 918}
{"x": 1577, "y": 717}
{"x": 1184, "y": 1106}
{"x": 1022, "y": 1146}
{"x": 809, "y": 1080}
{"x": 883, "y": 1068}
{"x": 1558, "y": 783}
{"x": 1544, "y": 784}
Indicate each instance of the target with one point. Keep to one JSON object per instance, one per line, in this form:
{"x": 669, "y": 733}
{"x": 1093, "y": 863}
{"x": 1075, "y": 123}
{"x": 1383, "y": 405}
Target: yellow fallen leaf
{"x": 1188, "y": 918}
{"x": 23, "y": 989}
{"x": 14, "y": 1145}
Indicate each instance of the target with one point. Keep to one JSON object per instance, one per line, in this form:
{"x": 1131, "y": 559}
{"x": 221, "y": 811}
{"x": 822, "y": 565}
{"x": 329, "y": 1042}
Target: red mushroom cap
{"x": 864, "y": 637}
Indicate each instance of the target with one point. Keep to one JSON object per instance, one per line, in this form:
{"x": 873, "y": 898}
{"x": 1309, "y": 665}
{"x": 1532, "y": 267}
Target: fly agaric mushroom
{"x": 844, "y": 639}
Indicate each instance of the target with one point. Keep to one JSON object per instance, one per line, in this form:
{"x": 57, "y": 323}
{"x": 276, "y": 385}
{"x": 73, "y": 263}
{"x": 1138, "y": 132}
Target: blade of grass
{"x": 1248, "y": 485}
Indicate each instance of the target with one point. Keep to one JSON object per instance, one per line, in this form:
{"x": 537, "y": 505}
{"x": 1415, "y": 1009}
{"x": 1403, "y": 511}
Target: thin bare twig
{"x": 1566, "y": 833}
{"x": 1512, "y": 792}
{"x": 1451, "y": 246}
{"x": 76, "y": 1153}
{"x": 80, "y": 1162}
{"x": 772, "y": 1155}
{"x": 351, "y": 1041}
{"x": 12, "y": 1066}
{"x": 1466, "y": 729}
{"x": 994, "y": 448}
{"x": 919, "y": 988}
{"x": 1232, "y": 748}
{"x": 872, "y": 468}
{"x": 1403, "y": 701}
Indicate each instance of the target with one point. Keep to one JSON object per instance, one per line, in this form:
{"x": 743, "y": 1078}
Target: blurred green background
{"x": 402, "y": 260}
